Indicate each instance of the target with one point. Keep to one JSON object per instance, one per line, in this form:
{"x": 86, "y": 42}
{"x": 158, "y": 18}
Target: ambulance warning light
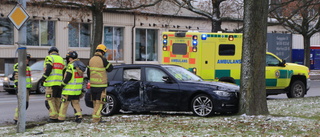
{"x": 165, "y": 42}
{"x": 194, "y": 49}
{"x": 194, "y": 43}
{"x": 204, "y": 36}
{"x": 195, "y": 37}
{"x": 164, "y": 48}
{"x": 165, "y": 36}
{"x": 194, "y": 70}
{"x": 230, "y": 38}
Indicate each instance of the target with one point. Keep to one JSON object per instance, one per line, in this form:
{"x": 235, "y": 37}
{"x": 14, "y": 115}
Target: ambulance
{"x": 217, "y": 57}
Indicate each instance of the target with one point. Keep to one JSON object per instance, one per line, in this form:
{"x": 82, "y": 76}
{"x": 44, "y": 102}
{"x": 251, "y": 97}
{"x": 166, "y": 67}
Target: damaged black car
{"x": 149, "y": 87}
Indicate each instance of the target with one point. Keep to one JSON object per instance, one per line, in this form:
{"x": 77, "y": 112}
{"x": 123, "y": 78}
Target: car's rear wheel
{"x": 202, "y": 105}
{"x": 40, "y": 88}
{"x": 111, "y": 107}
{"x": 297, "y": 89}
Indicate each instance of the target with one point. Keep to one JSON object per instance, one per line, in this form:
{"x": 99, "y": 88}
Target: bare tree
{"x": 300, "y": 17}
{"x": 215, "y": 10}
{"x": 252, "y": 86}
{"x": 97, "y": 7}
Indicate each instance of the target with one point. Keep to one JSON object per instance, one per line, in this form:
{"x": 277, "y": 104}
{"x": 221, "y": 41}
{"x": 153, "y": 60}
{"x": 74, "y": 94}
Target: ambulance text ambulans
{"x": 217, "y": 56}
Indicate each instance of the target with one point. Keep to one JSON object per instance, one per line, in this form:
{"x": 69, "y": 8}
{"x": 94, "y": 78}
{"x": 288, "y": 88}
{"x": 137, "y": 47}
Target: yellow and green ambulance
{"x": 217, "y": 56}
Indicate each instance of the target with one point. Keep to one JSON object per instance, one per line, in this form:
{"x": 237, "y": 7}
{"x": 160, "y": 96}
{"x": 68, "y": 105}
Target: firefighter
{"x": 72, "y": 86}
{"x": 97, "y": 74}
{"x": 52, "y": 79}
{"x": 28, "y": 84}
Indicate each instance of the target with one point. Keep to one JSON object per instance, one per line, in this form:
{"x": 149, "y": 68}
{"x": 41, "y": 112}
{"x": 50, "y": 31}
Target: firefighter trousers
{"x": 98, "y": 105}
{"x": 53, "y": 97}
{"x": 75, "y": 103}
{"x": 16, "y": 114}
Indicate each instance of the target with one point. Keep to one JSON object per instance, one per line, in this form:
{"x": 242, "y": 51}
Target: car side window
{"x": 112, "y": 74}
{"x": 132, "y": 74}
{"x": 272, "y": 61}
{"x": 154, "y": 75}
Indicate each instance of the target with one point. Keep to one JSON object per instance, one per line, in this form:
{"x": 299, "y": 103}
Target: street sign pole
{"x": 18, "y": 16}
{"x": 22, "y": 91}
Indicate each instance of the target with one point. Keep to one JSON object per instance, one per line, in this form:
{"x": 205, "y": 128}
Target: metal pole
{"x": 22, "y": 92}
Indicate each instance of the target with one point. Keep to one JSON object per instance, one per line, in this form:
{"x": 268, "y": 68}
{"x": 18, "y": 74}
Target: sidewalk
{"x": 314, "y": 74}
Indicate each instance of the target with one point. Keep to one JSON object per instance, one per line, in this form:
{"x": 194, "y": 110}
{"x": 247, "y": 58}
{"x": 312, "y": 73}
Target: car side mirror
{"x": 283, "y": 63}
{"x": 11, "y": 79}
{"x": 166, "y": 79}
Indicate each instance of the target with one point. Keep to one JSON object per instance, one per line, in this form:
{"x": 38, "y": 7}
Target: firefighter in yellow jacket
{"x": 28, "y": 85}
{"x": 72, "y": 86}
{"x": 52, "y": 79}
{"x": 97, "y": 73}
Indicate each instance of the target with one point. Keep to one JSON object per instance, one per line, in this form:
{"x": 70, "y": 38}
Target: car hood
{"x": 215, "y": 85}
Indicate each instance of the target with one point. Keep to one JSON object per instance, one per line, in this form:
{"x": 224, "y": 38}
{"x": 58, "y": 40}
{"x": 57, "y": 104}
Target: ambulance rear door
{"x": 207, "y": 50}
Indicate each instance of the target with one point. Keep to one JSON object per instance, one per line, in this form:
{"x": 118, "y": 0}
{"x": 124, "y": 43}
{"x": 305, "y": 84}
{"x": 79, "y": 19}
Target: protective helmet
{"x": 72, "y": 54}
{"x": 51, "y": 49}
{"x": 28, "y": 56}
{"x": 102, "y": 48}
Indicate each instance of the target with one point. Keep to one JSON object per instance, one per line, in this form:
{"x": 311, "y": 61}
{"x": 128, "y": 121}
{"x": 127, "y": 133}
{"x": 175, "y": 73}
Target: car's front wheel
{"x": 112, "y": 106}
{"x": 40, "y": 88}
{"x": 297, "y": 89}
{"x": 202, "y": 105}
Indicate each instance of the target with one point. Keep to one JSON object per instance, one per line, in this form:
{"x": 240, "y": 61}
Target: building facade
{"x": 130, "y": 38}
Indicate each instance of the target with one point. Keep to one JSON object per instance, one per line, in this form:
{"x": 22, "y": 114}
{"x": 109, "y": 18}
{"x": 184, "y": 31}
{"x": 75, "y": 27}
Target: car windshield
{"x": 37, "y": 66}
{"x": 182, "y": 74}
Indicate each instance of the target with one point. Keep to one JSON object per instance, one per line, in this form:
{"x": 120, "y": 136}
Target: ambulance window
{"x": 227, "y": 50}
{"x": 179, "y": 48}
{"x": 272, "y": 61}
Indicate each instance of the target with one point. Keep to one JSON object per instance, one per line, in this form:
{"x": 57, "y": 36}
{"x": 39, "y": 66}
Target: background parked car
{"x": 36, "y": 73}
{"x": 147, "y": 87}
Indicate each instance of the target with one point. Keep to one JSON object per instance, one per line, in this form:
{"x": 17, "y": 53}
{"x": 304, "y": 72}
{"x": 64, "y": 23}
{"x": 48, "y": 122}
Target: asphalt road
{"x": 37, "y": 110}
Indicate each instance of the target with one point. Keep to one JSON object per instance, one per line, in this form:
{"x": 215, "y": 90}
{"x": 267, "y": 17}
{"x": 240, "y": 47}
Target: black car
{"x": 149, "y": 87}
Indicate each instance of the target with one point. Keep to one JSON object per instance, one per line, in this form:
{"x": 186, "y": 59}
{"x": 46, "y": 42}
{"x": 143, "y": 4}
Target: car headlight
{"x": 222, "y": 93}
{"x": 34, "y": 79}
{"x": 6, "y": 79}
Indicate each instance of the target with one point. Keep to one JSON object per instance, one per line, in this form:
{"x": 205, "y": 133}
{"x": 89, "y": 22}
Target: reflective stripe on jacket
{"x": 55, "y": 77}
{"x": 28, "y": 75}
{"x": 98, "y": 73}
{"x": 74, "y": 86}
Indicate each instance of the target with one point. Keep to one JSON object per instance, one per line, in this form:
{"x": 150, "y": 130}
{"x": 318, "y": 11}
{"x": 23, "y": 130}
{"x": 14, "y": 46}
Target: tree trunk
{"x": 252, "y": 86}
{"x": 216, "y": 24}
{"x": 97, "y": 27}
{"x": 306, "y": 44}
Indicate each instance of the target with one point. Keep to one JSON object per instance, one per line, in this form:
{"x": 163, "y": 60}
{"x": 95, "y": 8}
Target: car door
{"x": 129, "y": 91}
{"x": 276, "y": 76}
{"x": 160, "y": 95}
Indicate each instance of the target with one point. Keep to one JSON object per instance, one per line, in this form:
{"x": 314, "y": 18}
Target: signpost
{"x": 18, "y": 16}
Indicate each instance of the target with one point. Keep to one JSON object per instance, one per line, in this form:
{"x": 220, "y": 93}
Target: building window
{"x": 40, "y": 33}
{"x": 79, "y": 34}
{"x": 6, "y": 32}
{"x": 113, "y": 39}
{"x": 146, "y": 45}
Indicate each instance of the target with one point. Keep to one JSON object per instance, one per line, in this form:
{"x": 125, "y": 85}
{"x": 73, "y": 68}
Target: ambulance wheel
{"x": 296, "y": 90}
{"x": 202, "y": 105}
{"x": 227, "y": 79}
